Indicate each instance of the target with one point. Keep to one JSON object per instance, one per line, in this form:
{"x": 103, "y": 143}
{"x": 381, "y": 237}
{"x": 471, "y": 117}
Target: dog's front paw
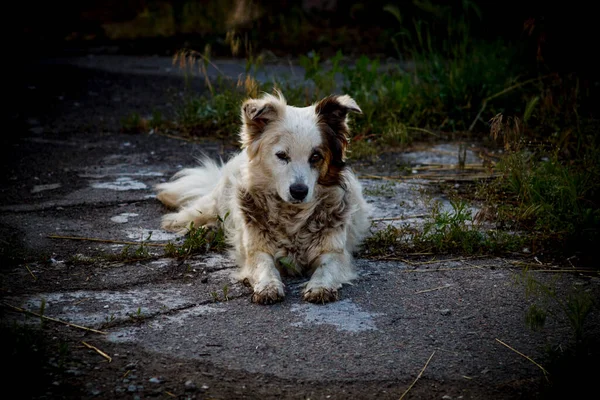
{"x": 268, "y": 294}
{"x": 321, "y": 295}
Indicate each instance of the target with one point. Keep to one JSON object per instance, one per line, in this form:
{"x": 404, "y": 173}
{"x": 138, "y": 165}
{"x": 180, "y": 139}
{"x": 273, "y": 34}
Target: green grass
{"x": 453, "y": 231}
{"x": 558, "y": 202}
{"x": 199, "y": 240}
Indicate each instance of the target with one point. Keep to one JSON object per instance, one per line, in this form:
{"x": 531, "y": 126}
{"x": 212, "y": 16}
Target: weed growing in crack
{"x": 199, "y": 240}
{"x": 453, "y": 231}
{"x": 131, "y": 253}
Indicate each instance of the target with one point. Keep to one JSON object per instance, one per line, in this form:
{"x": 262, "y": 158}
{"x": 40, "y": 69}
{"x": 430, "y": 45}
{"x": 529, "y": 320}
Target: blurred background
{"x": 563, "y": 34}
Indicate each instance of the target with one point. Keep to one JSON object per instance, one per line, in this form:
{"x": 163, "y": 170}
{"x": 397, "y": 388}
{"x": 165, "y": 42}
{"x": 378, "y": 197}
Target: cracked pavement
{"x": 186, "y": 328}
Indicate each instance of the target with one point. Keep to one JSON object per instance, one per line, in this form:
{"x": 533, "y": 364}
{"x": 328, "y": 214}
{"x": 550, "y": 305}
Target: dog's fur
{"x": 291, "y": 202}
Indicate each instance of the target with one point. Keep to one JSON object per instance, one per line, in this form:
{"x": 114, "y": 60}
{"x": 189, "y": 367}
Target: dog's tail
{"x": 190, "y": 184}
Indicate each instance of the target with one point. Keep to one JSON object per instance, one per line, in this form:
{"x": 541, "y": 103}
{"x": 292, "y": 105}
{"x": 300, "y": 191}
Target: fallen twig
{"x": 54, "y": 319}
{"x": 97, "y": 350}
{"x": 388, "y": 258}
{"x": 31, "y": 273}
{"x": 387, "y": 178}
{"x": 414, "y": 128}
{"x": 399, "y": 218}
{"x": 440, "y": 269}
{"x": 523, "y": 355}
{"x": 433, "y": 289}
{"x": 418, "y": 376}
{"x": 449, "y": 167}
{"x": 447, "y": 260}
{"x": 106, "y": 240}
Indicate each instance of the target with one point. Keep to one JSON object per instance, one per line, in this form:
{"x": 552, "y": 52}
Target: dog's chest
{"x": 297, "y": 233}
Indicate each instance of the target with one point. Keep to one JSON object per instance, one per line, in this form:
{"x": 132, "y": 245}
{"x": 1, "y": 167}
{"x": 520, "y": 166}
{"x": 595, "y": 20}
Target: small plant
{"x": 109, "y": 319}
{"x": 199, "y": 240}
{"x": 576, "y": 306}
{"x": 134, "y": 123}
{"x": 384, "y": 241}
{"x": 226, "y": 293}
{"x": 215, "y": 297}
{"x": 137, "y": 316}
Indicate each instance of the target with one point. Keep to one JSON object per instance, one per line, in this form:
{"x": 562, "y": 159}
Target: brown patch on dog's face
{"x": 332, "y": 115}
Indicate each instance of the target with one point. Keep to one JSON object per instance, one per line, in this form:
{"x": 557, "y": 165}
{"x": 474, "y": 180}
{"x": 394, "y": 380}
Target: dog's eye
{"x": 315, "y": 158}
{"x": 282, "y": 155}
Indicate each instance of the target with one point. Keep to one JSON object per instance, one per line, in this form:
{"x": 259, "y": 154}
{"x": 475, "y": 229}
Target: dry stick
{"x": 503, "y": 92}
{"x": 387, "y": 258}
{"x": 473, "y": 265}
{"x": 519, "y": 264}
{"x": 583, "y": 271}
{"x": 97, "y": 350}
{"x": 387, "y": 178}
{"x": 526, "y": 264}
{"x": 399, "y": 218}
{"x": 414, "y": 128}
{"x": 441, "y": 269}
{"x": 432, "y": 177}
{"x": 53, "y": 319}
{"x": 418, "y": 376}
{"x": 523, "y": 355}
{"x": 384, "y": 258}
{"x": 433, "y": 289}
{"x": 106, "y": 240}
{"x": 448, "y": 259}
{"x": 31, "y": 273}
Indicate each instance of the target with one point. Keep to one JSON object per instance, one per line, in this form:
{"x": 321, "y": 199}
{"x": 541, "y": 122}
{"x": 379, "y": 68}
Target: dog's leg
{"x": 333, "y": 270}
{"x": 201, "y": 212}
{"x": 264, "y": 277}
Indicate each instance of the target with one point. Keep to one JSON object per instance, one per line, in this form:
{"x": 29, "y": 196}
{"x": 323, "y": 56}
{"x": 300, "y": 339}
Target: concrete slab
{"x": 186, "y": 328}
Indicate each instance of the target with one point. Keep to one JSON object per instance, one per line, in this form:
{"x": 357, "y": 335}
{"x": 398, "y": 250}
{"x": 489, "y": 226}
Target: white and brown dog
{"x": 292, "y": 203}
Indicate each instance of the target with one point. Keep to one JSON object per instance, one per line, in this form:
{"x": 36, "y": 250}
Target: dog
{"x": 292, "y": 204}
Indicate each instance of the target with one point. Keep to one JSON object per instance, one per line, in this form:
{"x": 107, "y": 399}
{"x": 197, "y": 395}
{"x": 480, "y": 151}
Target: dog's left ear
{"x": 332, "y": 113}
{"x": 337, "y": 106}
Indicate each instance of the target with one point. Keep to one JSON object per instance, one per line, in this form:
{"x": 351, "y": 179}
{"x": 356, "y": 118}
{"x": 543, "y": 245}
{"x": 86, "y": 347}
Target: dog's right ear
{"x": 256, "y": 115}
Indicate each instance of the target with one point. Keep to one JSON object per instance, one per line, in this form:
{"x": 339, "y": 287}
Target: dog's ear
{"x": 337, "y": 107}
{"x": 256, "y": 115}
{"x": 332, "y": 113}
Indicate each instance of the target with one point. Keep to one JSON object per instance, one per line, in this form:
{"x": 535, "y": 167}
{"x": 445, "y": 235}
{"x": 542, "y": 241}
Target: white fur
{"x": 315, "y": 234}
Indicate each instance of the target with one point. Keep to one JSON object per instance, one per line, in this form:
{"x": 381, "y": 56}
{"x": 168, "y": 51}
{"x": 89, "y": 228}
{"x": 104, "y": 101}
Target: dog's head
{"x": 292, "y": 149}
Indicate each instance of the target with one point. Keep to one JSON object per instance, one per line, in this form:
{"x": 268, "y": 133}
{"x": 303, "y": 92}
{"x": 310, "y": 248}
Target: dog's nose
{"x": 299, "y": 191}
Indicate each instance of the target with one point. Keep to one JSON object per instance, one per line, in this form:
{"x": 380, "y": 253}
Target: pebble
{"x": 131, "y": 388}
{"x": 154, "y": 379}
{"x": 445, "y": 311}
{"x": 189, "y": 385}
